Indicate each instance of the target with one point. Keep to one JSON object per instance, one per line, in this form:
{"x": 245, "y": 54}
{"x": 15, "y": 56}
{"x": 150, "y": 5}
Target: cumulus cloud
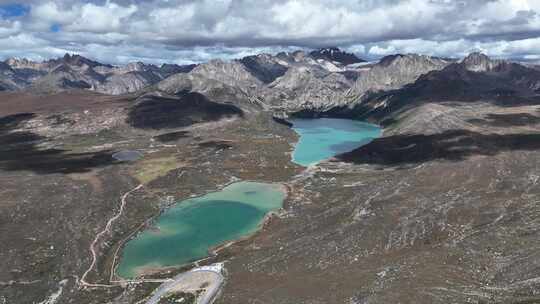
{"x": 196, "y": 30}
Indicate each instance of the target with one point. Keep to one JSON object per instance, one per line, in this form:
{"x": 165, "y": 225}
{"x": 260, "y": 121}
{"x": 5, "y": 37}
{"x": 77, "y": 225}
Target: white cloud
{"x": 8, "y": 28}
{"x": 43, "y": 15}
{"x": 101, "y": 19}
{"x": 153, "y": 29}
{"x": 516, "y": 49}
{"x": 381, "y": 50}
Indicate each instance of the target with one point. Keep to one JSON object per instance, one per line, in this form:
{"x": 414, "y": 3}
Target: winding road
{"x": 192, "y": 280}
{"x": 107, "y": 229}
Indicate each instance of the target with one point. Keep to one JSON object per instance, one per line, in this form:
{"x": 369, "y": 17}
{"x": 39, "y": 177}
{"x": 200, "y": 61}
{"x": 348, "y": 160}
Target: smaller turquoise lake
{"x": 322, "y": 138}
{"x": 185, "y": 232}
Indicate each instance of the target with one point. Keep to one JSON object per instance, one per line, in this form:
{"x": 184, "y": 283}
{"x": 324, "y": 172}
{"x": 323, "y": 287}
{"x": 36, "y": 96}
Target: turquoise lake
{"x": 323, "y": 138}
{"x": 185, "y": 232}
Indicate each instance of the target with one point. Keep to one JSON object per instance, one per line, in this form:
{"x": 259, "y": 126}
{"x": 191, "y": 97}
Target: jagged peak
{"x": 476, "y": 56}
{"x": 329, "y": 50}
{"x": 262, "y": 57}
{"x": 388, "y": 60}
{"x": 24, "y": 63}
{"x": 479, "y": 62}
{"x": 17, "y": 60}
{"x": 76, "y": 59}
{"x": 297, "y": 55}
{"x": 335, "y": 54}
{"x": 136, "y": 66}
{"x": 17, "y": 63}
{"x": 475, "y": 59}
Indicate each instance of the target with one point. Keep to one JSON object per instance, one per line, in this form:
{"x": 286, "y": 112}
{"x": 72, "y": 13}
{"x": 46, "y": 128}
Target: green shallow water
{"x": 185, "y": 232}
{"x": 323, "y": 138}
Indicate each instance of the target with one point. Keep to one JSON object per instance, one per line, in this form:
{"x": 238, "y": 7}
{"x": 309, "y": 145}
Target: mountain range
{"x": 441, "y": 208}
{"x": 321, "y": 82}
{"x": 77, "y": 72}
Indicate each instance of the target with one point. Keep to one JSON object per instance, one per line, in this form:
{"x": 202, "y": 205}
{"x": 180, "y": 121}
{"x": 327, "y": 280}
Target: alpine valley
{"x": 430, "y": 193}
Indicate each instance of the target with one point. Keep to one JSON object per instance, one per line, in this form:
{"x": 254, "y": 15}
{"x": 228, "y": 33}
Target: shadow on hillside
{"x": 156, "y": 112}
{"x": 20, "y": 150}
{"x": 171, "y": 136}
{"x": 215, "y": 144}
{"x": 514, "y": 85}
{"x": 507, "y": 120}
{"x": 453, "y": 145}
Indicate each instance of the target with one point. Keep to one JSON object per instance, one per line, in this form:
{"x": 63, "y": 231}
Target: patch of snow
{"x": 216, "y": 267}
{"x": 282, "y": 62}
{"x": 330, "y": 66}
{"x": 359, "y": 64}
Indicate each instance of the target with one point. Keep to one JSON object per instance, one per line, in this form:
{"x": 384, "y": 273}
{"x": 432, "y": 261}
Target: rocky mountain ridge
{"x": 323, "y": 82}
{"x": 78, "y": 72}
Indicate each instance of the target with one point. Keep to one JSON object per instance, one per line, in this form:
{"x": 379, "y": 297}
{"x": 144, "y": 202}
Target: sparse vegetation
{"x": 178, "y": 298}
{"x": 149, "y": 168}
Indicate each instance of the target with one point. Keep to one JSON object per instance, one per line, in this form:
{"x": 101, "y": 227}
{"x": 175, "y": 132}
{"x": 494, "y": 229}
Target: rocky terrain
{"x": 446, "y": 217}
{"x": 77, "y": 72}
{"x": 62, "y": 154}
{"x": 441, "y": 209}
{"x": 334, "y": 54}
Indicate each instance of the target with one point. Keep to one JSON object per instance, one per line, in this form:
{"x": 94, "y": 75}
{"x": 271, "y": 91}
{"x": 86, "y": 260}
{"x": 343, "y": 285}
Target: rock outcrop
{"x": 334, "y": 54}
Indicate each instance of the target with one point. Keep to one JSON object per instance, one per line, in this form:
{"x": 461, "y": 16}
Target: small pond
{"x": 127, "y": 155}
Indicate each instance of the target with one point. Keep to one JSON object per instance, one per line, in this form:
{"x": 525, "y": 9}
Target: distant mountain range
{"x": 77, "y": 72}
{"x": 322, "y": 82}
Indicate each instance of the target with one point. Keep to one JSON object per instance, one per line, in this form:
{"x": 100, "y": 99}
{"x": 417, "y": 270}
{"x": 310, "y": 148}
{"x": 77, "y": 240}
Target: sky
{"x": 189, "y": 31}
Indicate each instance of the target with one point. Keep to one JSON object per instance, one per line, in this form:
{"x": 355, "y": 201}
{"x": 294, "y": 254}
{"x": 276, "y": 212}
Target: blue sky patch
{"x": 55, "y": 28}
{"x": 13, "y": 10}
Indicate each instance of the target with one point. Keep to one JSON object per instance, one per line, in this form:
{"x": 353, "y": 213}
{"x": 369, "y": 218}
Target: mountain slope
{"x": 78, "y": 72}
{"x": 322, "y": 82}
{"x": 475, "y": 78}
{"x": 265, "y": 67}
{"x": 395, "y": 71}
{"x": 157, "y": 112}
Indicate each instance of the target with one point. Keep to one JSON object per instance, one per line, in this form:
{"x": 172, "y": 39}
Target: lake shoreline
{"x": 323, "y": 138}
{"x": 212, "y": 251}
